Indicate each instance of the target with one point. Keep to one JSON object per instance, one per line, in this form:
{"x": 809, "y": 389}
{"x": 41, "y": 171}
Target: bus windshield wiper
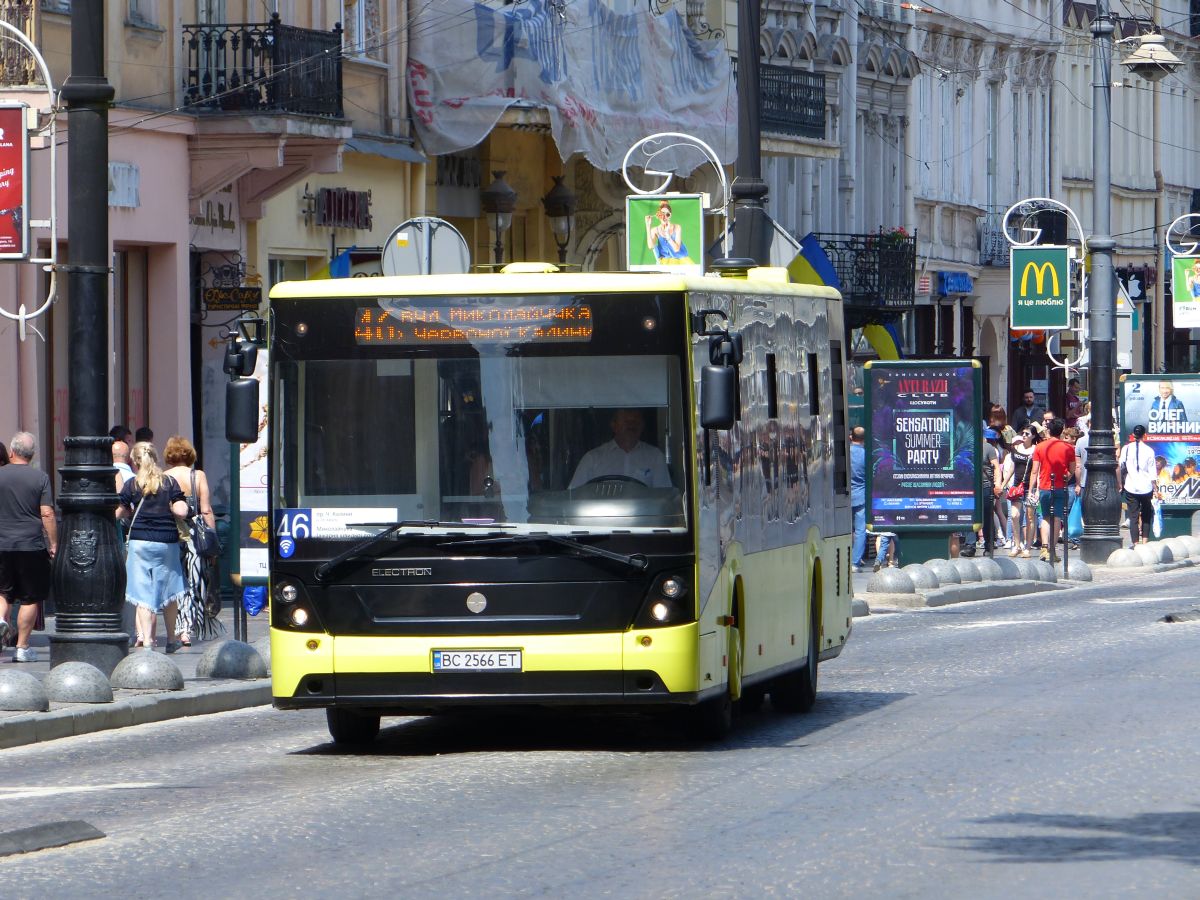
{"x": 363, "y": 548}
{"x": 634, "y": 560}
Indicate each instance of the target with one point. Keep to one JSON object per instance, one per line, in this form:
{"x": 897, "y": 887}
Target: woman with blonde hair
{"x": 180, "y": 457}
{"x": 154, "y": 576}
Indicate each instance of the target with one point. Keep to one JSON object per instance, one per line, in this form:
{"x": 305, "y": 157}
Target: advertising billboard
{"x": 1040, "y": 288}
{"x": 665, "y": 233}
{"x": 14, "y": 182}
{"x": 1185, "y": 291}
{"x": 1169, "y": 407}
{"x": 923, "y": 442}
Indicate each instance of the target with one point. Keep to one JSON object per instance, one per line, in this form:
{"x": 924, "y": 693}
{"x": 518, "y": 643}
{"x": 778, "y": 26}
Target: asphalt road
{"x": 1041, "y": 746}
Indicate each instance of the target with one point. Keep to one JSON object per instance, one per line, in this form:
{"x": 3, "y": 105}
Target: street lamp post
{"x": 499, "y": 200}
{"x": 1102, "y": 522}
{"x": 560, "y": 204}
{"x": 751, "y": 227}
{"x": 89, "y": 573}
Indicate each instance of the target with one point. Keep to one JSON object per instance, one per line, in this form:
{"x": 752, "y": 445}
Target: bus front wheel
{"x": 348, "y": 727}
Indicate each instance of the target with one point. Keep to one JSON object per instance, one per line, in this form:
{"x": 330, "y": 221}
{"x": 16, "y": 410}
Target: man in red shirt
{"x": 1053, "y": 464}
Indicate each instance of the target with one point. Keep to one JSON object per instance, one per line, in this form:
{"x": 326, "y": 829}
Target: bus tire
{"x": 348, "y": 727}
{"x": 712, "y": 720}
{"x": 796, "y": 691}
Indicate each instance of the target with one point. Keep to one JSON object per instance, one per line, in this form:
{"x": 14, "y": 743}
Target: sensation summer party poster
{"x": 923, "y": 439}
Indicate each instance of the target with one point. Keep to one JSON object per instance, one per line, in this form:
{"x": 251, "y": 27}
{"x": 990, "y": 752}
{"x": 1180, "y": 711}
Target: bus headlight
{"x": 666, "y": 603}
{"x": 292, "y": 608}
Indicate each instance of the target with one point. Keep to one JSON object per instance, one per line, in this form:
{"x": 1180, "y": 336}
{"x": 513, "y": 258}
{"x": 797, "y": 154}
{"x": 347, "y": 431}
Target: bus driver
{"x": 625, "y": 455}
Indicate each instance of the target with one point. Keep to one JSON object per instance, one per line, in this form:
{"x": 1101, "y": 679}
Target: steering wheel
{"x": 602, "y": 479}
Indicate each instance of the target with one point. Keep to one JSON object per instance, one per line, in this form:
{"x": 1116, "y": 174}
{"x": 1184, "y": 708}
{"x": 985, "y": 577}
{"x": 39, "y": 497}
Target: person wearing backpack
{"x": 1136, "y": 477}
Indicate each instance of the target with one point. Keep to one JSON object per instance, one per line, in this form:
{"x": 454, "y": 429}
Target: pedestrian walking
{"x": 1136, "y": 477}
{"x": 194, "y": 618}
{"x": 1029, "y": 412}
{"x": 1018, "y": 469}
{"x": 28, "y": 542}
{"x": 858, "y": 495}
{"x": 1054, "y": 464}
{"x": 154, "y": 573}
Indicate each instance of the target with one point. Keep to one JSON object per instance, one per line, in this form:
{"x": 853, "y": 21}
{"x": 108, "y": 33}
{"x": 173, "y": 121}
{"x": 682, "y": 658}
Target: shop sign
{"x": 343, "y": 208}
{"x": 1040, "y": 286}
{"x": 14, "y": 182}
{"x": 232, "y": 299}
{"x": 955, "y": 283}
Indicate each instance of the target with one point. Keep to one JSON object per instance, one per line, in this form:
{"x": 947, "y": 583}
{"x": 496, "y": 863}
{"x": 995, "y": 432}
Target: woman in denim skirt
{"x": 154, "y": 575}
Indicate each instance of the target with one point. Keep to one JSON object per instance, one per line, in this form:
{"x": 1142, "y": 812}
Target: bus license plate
{"x": 477, "y": 660}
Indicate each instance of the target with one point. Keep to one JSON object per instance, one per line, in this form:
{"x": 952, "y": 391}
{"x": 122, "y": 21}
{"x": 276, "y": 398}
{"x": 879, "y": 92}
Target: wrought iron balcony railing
{"x": 792, "y": 101}
{"x": 264, "y": 67}
{"x": 993, "y": 245}
{"x": 877, "y": 272}
{"x": 17, "y": 66}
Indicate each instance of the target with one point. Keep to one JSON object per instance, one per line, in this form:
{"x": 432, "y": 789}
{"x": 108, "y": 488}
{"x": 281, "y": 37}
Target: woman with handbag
{"x": 154, "y": 576}
{"x": 194, "y": 618}
{"x": 1017, "y": 469}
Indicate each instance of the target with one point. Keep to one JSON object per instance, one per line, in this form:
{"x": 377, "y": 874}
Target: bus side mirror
{"x": 241, "y": 411}
{"x": 718, "y": 397}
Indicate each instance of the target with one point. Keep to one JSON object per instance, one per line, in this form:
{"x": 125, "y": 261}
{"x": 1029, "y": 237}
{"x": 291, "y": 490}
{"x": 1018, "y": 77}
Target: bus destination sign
{"x": 428, "y": 325}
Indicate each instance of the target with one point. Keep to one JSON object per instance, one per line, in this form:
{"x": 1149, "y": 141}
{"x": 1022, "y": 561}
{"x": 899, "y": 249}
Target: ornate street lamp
{"x": 560, "y": 209}
{"x": 1102, "y": 521}
{"x": 499, "y": 200}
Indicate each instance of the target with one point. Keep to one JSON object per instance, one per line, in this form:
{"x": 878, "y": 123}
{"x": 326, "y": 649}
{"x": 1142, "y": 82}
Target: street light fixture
{"x": 1102, "y": 521}
{"x": 560, "y": 209}
{"x": 499, "y": 200}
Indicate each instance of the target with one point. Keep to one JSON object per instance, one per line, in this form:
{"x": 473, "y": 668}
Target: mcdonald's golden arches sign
{"x": 1041, "y": 287}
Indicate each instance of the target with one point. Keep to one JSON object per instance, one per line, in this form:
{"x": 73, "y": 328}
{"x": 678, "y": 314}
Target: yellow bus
{"x": 541, "y": 488}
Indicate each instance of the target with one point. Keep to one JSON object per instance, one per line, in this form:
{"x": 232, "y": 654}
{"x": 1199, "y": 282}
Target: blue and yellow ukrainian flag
{"x": 812, "y": 266}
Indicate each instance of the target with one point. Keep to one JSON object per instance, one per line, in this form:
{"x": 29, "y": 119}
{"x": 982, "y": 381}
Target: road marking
{"x": 959, "y": 625}
{"x": 1131, "y": 599}
{"x": 34, "y": 792}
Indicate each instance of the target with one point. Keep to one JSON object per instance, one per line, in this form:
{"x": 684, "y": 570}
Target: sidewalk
{"x": 199, "y": 696}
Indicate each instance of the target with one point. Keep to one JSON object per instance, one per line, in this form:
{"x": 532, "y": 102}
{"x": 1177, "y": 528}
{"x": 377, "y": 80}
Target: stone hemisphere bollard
{"x": 1124, "y": 559}
{"x": 1045, "y": 571}
{"x": 77, "y": 682}
{"x": 922, "y": 576}
{"x": 263, "y": 646}
{"x": 966, "y": 570}
{"x": 1192, "y": 543}
{"x": 891, "y": 581}
{"x": 1028, "y": 570}
{"x": 22, "y": 692}
{"x": 235, "y": 659}
{"x": 1078, "y": 570}
{"x": 1009, "y": 570}
{"x": 1178, "y": 547}
{"x": 145, "y": 670}
{"x": 1149, "y": 554}
{"x": 988, "y": 568}
{"x": 944, "y": 570}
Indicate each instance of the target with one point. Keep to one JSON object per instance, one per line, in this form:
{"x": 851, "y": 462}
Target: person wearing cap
{"x": 1135, "y": 476}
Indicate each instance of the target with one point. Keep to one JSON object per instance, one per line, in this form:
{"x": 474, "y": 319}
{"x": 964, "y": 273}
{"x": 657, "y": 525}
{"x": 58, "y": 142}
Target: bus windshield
{"x": 560, "y": 414}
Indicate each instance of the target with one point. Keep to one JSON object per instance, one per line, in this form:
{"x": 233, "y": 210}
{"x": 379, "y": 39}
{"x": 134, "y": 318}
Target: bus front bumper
{"x": 650, "y": 667}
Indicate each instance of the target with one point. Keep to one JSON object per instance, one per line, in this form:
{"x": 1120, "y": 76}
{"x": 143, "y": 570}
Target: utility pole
{"x": 1102, "y": 513}
{"x": 751, "y": 227}
{"x": 89, "y": 572}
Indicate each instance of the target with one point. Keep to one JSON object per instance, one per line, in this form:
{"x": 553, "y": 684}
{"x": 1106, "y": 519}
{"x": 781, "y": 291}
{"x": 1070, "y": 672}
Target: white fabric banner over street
{"x": 607, "y": 79}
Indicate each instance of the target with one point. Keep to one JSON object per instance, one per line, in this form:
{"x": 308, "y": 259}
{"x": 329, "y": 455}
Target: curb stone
{"x": 133, "y": 708}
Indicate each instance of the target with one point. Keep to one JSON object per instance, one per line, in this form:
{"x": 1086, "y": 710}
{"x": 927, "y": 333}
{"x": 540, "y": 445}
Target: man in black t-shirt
{"x": 28, "y": 541}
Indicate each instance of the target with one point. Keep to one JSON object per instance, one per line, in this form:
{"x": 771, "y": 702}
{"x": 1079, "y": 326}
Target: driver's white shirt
{"x": 644, "y": 463}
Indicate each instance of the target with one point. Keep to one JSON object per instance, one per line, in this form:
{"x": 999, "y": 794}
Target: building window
{"x": 143, "y": 12}
{"x": 362, "y": 26}
{"x": 62, "y": 6}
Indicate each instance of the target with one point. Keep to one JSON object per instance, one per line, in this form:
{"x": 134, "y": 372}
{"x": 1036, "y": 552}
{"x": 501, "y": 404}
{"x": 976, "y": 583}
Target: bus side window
{"x": 841, "y": 453}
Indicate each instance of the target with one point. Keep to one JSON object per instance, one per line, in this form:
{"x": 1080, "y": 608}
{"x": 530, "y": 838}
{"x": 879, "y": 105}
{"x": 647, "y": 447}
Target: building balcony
{"x": 263, "y": 67}
{"x": 877, "y": 274}
{"x": 791, "y": 101}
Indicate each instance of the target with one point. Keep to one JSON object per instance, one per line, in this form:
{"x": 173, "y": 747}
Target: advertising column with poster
{"x": 923, "y": 442}
{"x": 665, "y": 233}
{"x": 1169, "y": 407}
